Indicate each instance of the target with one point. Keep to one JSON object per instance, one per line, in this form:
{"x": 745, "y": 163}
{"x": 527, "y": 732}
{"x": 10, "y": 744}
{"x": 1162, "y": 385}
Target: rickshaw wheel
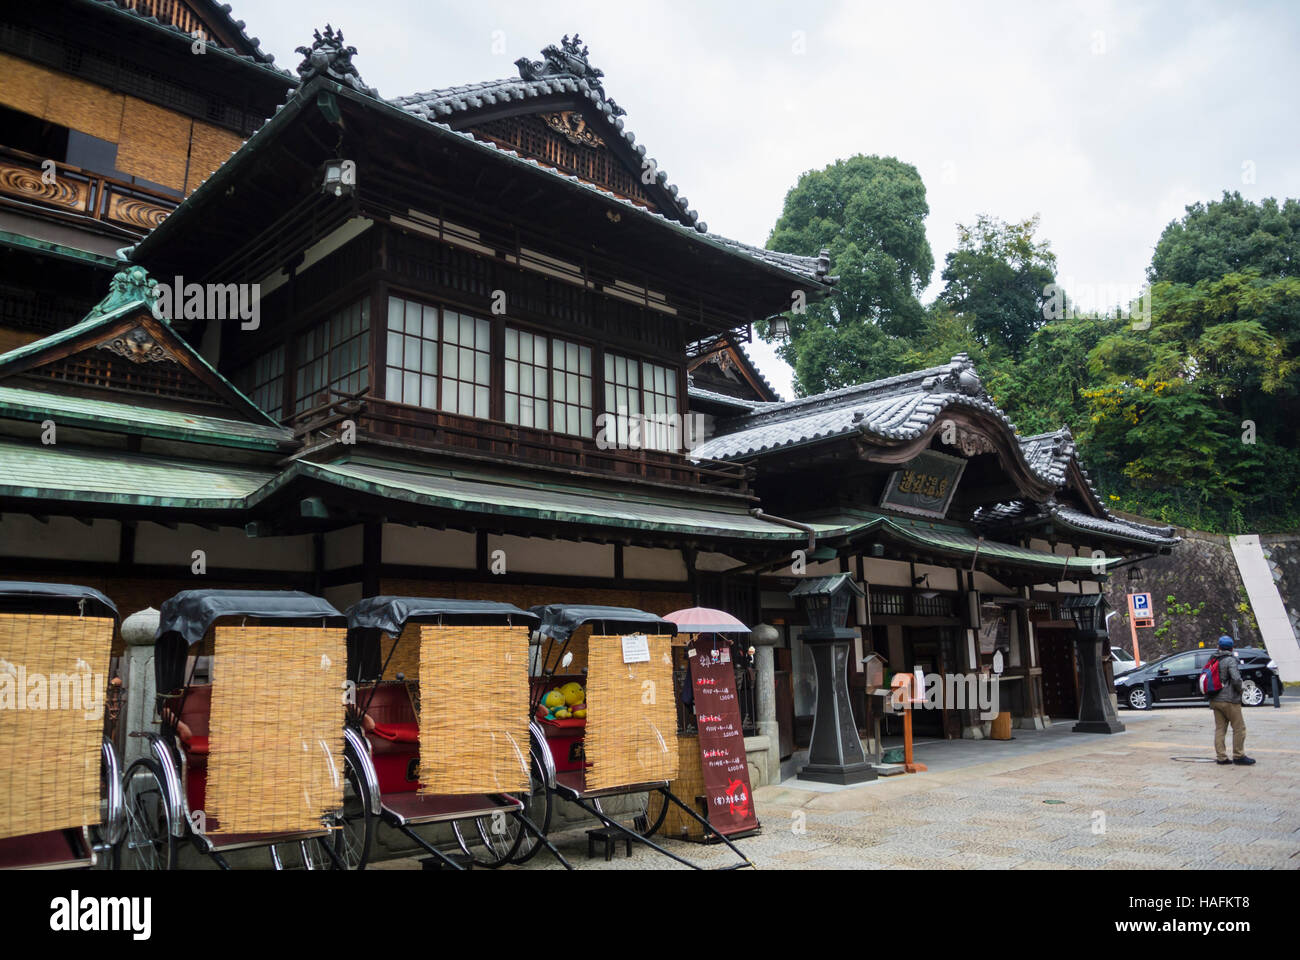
{"x": 640, "y": 820}
{"x": 537, "y": 807}
{"x": 149, "y": 843}
{"x": 356, "y": 826}
{"x": 500, "y": 839}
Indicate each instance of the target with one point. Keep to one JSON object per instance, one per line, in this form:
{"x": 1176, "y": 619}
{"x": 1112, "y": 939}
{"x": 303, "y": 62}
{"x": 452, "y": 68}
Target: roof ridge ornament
{"x": 569, "y": 59}
{"x": 328, "y": 57}
{"x": 132, "y": 285}
{"x": 960, "y": 377}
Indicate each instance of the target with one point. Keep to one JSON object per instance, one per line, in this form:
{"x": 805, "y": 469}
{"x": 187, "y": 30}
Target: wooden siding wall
{"x": 154, "y": 143}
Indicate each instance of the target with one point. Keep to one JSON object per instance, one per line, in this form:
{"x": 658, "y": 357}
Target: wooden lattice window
{"x": 334, "y": 355}
{"x": 888, "y": 603}
{"x": 107, "y": 371}
{"x": 531, "y": 136}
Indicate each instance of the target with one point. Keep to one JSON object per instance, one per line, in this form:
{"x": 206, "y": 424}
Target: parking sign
{"x": 1139, "y": 607}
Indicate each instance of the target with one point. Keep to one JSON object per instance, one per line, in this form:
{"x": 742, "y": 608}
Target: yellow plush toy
{"x": 575, "y": 700}
{"x": 554, "y": 703}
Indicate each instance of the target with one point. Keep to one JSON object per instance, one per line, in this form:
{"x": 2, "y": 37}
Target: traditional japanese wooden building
{"x": 444, "y": 344}
{"x": 110, "y": 113}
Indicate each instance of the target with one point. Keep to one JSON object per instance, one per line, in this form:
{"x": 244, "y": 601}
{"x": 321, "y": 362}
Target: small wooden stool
{"x": 610, "y": 838}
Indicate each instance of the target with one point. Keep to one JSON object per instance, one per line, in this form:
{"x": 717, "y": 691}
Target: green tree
{"x": 869, "y": 212}
{"x": 999, "y": 276}
{"x": 1227, "y": 236}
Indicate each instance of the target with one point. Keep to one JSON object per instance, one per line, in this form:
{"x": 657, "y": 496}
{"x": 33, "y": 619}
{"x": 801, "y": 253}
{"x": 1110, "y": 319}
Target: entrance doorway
{"x": 1060, "y": 672}
{"x": 934, "y": 650}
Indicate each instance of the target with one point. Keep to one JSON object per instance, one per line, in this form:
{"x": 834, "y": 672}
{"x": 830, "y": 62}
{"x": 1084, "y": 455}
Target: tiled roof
{"x": 1022, "y": 512}
{"x": 896, "y": 408}
{"x": 814, "y": 269}
{"x": 712, "y": 396}
{"x": 222, "y": 11}
{"x": 438, "y": 105}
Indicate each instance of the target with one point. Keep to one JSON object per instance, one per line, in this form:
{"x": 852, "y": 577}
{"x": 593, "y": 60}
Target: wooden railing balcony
{"x": 80, "y": 193}
{"x": 420, "y": 429}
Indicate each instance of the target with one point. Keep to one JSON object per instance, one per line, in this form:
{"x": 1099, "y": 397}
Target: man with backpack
{"x": 1221, "y": 684}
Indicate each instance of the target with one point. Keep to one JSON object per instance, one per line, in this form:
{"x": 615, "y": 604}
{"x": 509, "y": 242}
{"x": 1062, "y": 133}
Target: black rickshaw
{"x": 60, "y": 786}
{"x": 565, "y": 762}
{"x": 399, "y": 733}
{"x": 279, "y": 701}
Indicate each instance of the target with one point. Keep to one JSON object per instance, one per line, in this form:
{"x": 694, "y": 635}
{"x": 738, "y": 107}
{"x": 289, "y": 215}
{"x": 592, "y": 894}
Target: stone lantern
{"x": 1097, "y": 712}
{"x": 835, "y": 754}
{"x": 138, "y": 632}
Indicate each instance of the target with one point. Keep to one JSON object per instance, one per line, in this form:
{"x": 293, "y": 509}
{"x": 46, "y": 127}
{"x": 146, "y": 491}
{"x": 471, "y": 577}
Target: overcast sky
{"x": 1106, "y": 119}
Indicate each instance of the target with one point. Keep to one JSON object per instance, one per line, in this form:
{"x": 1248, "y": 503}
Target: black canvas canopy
{"x": 55, "y": 598}
{"x": 390, "y": 614}
{"x": 191, "y": 612}
{"x": 560, "y": 620}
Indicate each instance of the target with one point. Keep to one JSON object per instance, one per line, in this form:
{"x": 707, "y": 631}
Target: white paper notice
{"x": 636, "y": 648}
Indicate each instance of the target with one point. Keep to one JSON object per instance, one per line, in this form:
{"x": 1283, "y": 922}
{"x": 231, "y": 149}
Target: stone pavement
{"x": 1048, "y": 799}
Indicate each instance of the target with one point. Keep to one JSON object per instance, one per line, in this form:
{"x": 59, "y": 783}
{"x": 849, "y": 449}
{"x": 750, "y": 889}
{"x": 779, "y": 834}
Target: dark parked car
{"x": 1175, "y": 678}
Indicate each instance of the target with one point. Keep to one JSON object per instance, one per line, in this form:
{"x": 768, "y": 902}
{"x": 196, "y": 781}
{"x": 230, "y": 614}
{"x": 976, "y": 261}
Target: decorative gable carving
{"x": 139, "y": 346}
{"x": 573, "y": 126}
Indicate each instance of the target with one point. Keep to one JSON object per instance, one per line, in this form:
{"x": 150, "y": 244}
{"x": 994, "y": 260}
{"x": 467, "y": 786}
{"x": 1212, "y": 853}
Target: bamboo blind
{"x": 631, "y": 715}
{"x": 52, "y": 687}
{"x": 154, "y": 143}
{"x": 60, "y": 98}
{"x": 474, "y": 719}
{"x": 210, "y": 147}
{"x": 688, "y": 785}
{"x": 405, "y": 659}
{"x": 275, "y": 761}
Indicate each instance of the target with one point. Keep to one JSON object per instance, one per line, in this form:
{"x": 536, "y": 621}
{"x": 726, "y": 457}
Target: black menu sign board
{"x": 722, "y": 740}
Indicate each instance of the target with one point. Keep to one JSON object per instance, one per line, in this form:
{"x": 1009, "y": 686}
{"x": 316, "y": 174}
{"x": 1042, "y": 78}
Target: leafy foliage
{"x": 1191, "y": 415}
{"x": 999, "y": 276}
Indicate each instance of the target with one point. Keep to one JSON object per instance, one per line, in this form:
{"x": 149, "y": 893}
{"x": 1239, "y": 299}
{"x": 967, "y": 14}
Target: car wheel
{"x": 1137, "y": 698}
{"x": 1252, "y": 694}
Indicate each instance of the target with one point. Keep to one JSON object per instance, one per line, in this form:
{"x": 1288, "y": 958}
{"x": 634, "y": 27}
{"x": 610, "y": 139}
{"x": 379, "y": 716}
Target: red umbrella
{"x": 705, "y": 620}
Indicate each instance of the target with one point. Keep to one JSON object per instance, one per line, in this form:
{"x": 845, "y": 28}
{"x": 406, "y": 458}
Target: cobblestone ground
{"x": 1121, "y": 801}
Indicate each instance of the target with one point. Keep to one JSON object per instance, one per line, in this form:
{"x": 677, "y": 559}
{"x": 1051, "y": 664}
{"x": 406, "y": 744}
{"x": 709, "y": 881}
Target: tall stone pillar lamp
{"x": 835, "y": 755}
{"x": 1097, "y": 712}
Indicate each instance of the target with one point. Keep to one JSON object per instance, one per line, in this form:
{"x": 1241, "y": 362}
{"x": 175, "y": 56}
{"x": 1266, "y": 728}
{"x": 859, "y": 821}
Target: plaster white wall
{"x": 61, "y": 539}
{"x": 343, "y": 547}
{"x": 644, "y": 563}
{"x": 426, "y": 547}
{"x": 539, "y": 555}
{"x": 225, "y": 547}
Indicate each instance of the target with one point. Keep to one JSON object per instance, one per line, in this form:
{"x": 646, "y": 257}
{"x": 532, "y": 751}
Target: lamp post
{"x": 1097, "y": 712}
{"x": 835, "y": 754}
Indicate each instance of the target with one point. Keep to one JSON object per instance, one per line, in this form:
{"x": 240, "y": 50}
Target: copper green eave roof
{"x": 955, "y": 542}
{"x": 534, "y": 500}
{"x": 36, "y": 405}
{"x": 30, "y": 470}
